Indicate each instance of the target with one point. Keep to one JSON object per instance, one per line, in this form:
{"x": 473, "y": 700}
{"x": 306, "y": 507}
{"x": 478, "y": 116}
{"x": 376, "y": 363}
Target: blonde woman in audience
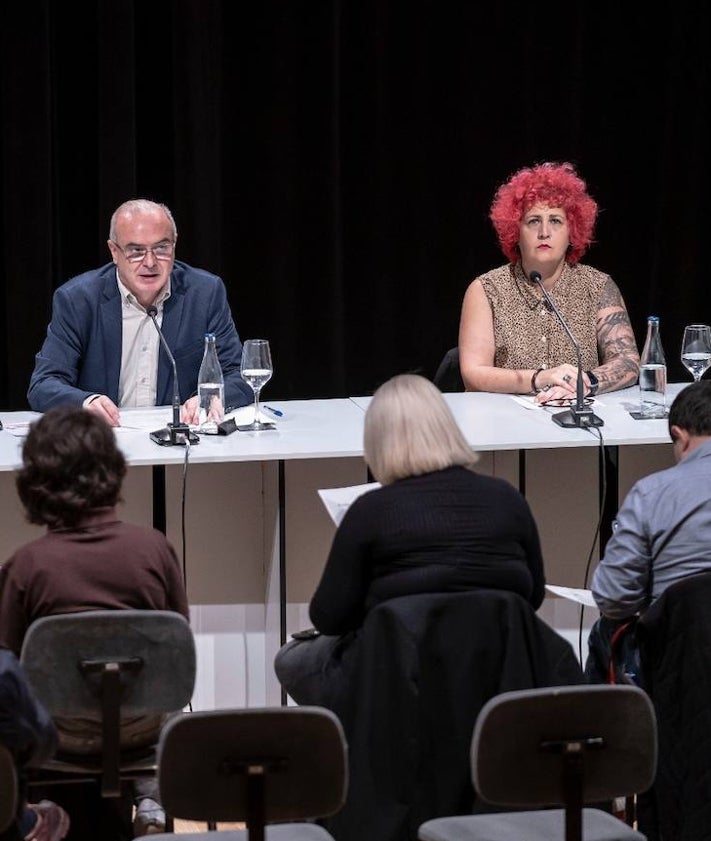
{"x": 435, "y": 526}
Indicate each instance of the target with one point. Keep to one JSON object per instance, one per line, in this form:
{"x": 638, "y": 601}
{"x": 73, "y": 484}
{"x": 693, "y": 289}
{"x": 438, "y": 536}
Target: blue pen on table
{"x": 276, "y": 412}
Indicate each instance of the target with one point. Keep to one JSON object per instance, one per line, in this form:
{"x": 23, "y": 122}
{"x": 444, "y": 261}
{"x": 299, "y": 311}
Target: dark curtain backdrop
{"x": 334, "y": 161}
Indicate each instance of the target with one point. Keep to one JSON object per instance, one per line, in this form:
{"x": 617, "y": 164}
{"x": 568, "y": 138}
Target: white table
{"x": 257, "y": 534}
{"x": 504, "y": 429}
{"x": 501, "y": 422}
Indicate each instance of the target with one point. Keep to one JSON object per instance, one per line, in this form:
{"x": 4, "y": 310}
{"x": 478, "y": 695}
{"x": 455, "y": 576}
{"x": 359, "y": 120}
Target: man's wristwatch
{"x": 594, "y": 383}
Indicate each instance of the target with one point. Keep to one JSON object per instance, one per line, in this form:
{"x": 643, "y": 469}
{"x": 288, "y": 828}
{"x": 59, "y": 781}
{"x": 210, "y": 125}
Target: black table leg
{"x": 159, "y": 498}
{"x": 282, "y": 562}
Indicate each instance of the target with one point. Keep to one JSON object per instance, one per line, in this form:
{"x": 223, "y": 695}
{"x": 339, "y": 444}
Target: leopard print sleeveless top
{"x": 526, "y": 334}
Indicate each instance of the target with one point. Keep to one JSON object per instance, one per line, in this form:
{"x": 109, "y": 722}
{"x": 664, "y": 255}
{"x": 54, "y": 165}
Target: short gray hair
{"x": 140, "y": 206}
{"x": 410, "y": 430}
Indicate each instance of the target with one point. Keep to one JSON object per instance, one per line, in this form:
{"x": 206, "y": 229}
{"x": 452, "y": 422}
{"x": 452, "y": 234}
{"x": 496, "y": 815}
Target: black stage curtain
{"x": 334, "y": 161}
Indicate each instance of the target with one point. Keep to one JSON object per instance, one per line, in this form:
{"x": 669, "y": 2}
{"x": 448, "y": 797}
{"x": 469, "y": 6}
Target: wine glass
{"x": 696, "y": 349}
{"x": 256, "y": 371}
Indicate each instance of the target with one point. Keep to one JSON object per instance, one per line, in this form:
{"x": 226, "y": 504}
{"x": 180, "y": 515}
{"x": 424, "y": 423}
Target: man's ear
{"x": 112, "y": 249}
{"x": 682, "y": 439}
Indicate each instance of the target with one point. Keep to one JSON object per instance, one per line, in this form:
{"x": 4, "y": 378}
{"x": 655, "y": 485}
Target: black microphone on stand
{"x": 175, "y": 434}
{"x": 580, "y": 416}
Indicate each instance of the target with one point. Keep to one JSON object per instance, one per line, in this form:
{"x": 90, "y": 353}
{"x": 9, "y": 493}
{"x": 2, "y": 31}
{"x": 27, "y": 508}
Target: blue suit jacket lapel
{"x": 110, "y": 315}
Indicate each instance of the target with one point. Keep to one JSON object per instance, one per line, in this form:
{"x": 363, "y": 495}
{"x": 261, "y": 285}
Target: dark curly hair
{"x": 71, "y": 465}
{"x": 551, "y": 184}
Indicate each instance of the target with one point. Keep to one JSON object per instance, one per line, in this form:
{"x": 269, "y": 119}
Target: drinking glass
{"x": 696, "y": 349}
{"x": 256, "y": 371}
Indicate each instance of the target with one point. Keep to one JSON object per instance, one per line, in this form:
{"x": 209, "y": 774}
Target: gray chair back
{"x": 155, "y": 651}
{"x": 563, "y": 747}
{"x": 109, "y": 665}
{"x": 260, "y": 765}
{"x": 8, "y": 788}
{"x": 528, "y": 745}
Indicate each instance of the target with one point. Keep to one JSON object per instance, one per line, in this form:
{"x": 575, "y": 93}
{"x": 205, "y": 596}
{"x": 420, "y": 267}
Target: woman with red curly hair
{"x": 509, "y": 340}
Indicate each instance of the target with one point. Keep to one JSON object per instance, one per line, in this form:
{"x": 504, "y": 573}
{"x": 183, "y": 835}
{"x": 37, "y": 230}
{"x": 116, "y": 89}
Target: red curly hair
{"x": 550, "y": 184}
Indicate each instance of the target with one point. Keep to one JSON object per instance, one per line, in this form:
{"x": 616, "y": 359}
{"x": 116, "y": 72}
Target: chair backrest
{"x": 8, "y": 788}
{"x": 260, "y": 765}
{"x": 530, "y": 745}
{"x": 64, "y": 655}
{"x": 411, "y": 686}
{"x": 448, "y": 376}
{"x": 674, "y": 638}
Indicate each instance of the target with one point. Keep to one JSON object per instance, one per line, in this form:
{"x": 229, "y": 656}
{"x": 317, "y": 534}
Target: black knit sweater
{"x": 446, "y": 531}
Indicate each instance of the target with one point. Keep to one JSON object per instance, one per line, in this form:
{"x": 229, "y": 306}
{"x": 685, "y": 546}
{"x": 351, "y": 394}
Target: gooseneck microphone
{"x": 175, "y": 434}
{"x": 580, "y": 415}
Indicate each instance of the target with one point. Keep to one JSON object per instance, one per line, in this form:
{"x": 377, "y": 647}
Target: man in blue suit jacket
{"x": 102, "y": 351}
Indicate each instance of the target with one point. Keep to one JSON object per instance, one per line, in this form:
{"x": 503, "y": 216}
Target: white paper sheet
{"x": 525, "y": 401}
{"x": 19, "y": 429}
{"x": 338, "y": 500}
{"x": 575, "y": 594}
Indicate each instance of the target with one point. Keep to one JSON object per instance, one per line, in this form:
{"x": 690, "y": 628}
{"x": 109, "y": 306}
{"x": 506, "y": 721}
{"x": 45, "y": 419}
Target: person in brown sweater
{"x": 88, "y": 559}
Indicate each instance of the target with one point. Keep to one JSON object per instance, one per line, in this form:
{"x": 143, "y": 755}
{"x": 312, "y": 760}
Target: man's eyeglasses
{"x": 137, "y": 253}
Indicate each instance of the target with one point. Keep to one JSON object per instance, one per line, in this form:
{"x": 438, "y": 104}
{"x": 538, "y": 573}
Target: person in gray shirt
{"x": 662, "y": 532}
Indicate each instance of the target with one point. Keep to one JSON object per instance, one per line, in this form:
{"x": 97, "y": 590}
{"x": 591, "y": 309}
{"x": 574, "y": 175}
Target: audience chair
{"x": 8, "y": 788}
{"x": 261, "y": 766}
{"x": 408, "y": 693}
{"x": 564, "y": 747}
{"x": 674, "y": 638}
{"x": 448, "y": 376}
{"x": 108, "y": 665}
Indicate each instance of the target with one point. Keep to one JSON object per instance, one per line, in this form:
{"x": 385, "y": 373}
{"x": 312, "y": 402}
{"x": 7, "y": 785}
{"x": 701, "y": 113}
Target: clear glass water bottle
{"x": 211, "y": 388}
{"x": 652, "y": 374}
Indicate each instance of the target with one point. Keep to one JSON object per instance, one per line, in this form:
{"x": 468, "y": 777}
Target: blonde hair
{"x": 410, "y": 430}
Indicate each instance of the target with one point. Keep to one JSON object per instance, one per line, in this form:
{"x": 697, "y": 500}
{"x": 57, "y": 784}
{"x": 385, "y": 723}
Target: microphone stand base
{"x": 174, "y": 435}
{"x": 578, "y": 419}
